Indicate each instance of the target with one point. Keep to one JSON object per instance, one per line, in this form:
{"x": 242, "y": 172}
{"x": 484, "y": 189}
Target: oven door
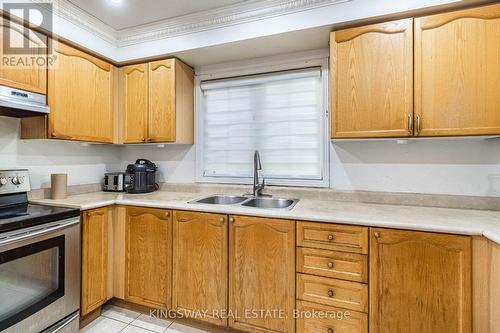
{"x": 39, "y": 276}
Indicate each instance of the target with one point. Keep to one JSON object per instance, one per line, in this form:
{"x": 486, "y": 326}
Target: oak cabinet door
{"x": 162, "y": 117}
{"x": 148, "y": 263}
{"x": 25, "y": 77}
{"x": 94, "y": 259}
{"x": 134, "y": 99}
{"x": 261, "y": 274}
{"x": 200, "y": 264}
{"x": 419, "y": 282}
{"x": 457, "y": 73}
{"x": 80, "y": 95}
{"x": 372, "y": 80}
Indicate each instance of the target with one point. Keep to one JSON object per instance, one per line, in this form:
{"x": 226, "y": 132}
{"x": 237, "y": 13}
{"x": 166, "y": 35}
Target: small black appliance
{"x": 140, "y": 177}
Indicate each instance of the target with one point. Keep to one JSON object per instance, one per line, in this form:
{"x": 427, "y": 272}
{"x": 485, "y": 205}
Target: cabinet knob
{"x": 331, "y": 293}
{"x": 376, "y": 234}
{"x": 330, "y": 237}
{"x": 143, "y": 139}
{"x": 231, "y": 220}
{"x": 330, "y": 264}
{"x": 330, "y": 330}
{"x": 222, "y": 220}
{"x": 167, "y": 214}
{"x": 53, "y": 134}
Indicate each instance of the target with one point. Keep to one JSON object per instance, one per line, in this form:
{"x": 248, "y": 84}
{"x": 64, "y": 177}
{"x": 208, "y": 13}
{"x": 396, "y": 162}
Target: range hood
{"x": 20, "y": 103}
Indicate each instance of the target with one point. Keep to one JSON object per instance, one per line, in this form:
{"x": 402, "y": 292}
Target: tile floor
{"x": 114, "y": 319}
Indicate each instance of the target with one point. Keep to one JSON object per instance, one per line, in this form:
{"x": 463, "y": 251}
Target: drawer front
{"x": 333, "y": 264}
{"x": 315, "y": 318}
{"x": 333, "y": 292}
{"x": 332, "y": 237}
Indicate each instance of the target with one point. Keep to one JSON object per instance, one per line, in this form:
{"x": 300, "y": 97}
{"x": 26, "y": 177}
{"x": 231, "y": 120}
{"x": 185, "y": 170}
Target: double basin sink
{"x": 254, "y": 202}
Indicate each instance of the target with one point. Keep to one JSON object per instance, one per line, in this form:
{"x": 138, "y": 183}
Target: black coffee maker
{"x": 140, "y": 177}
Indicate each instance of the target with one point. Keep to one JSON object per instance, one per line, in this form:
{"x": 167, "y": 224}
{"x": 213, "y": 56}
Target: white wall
{"x": 84, "y": 165}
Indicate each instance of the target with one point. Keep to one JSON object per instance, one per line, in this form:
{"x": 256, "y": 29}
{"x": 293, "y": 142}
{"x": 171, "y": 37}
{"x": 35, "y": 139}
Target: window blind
{"x": 279, "y": 114}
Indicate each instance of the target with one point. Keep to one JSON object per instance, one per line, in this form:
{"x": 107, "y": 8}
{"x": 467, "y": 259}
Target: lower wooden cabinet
{"x": 261, "y": 274}
{"x": 148, "y": 257}
{"x": 419, "y": 282}
{"x": 200, "y": 264}
{"x": 95, "y": 229}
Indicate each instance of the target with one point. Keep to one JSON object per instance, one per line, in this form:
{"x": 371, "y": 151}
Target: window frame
{"x": 264, "y": 66}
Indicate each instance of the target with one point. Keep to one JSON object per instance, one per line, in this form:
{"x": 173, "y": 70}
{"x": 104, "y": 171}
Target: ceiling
{"x": 123, "y": 14}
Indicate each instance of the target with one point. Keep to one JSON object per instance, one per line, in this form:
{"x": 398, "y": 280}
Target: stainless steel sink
{"x": 221, "y": 200}
{"x": 270, "y": 203}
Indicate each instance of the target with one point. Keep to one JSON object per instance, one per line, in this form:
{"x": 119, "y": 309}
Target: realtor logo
{"x": 23, "y": 43}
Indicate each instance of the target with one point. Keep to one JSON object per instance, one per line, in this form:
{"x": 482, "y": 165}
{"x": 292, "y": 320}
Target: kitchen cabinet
{"x": 23, "y": 75}
{"x": 261, "y": 274}
{"x": 157, "y": 102}
{"x": 419, "y": 282}
{"x": 148, "y": 257}
{"x": 81, "y": 99}
{"x": 200, "y": 251}
{"x": 372, "y": 80}
{"x": 95, "y": 229}
{"x": 457, "y": 72}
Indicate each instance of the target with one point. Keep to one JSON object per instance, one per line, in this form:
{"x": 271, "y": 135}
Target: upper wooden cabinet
{"x": 95, "y": 229}
{"x": 372, "y": 80}
{"x": 457, "y": 72}
{"x": 148, "y": 257}
{"x": 200, "y": 259}
{"x": 81, "y": 99}
{"x": 25, "y": 77}
{"x": 262, "y": 274}
{"x": 157, "y": 101}
{"x": 419, "y": 282}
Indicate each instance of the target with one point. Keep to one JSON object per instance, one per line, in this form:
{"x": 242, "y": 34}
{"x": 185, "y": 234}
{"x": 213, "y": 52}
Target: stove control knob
{"x": 17, "y": 180}
{"x": 3, "y": 181}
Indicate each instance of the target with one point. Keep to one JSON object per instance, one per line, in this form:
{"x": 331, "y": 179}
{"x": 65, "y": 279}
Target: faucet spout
{"x": 257, "y": 165}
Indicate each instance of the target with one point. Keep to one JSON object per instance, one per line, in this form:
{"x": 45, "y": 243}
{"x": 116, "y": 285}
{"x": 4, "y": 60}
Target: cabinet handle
{"x": 231, "y": 220}
{"x": 410, "y": 123}
{"x": 53, "y": 134}
{"x": 222, "y": 220}
{"x": 143, "y": 139}
{"x": 330, "y": 264}
{"x": 376, "y": 234}
{"x": 330, "y": 330}
{"x": 331, "y": 237}
{"x": 419, "y": 125}
{"x": 331, "y": 293}
{"x": 167, "y": 214}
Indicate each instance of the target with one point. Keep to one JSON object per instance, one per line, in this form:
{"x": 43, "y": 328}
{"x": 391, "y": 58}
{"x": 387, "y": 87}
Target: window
{"x": 281, "y": 114}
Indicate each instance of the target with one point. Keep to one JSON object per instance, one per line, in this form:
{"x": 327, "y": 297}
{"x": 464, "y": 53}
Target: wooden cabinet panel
{"x": 25, "y": 77}
{"x": 148, "y": 272}
{"x": 333, "y": 292}
{"x": 94, "y": 259}
{"x": 162, "y": 115}
{"x": 330, "y": 320}
{"x": 332, "y": 237}
{"x": 419, "y": 282}
{"x": 457, "y": 72}
{"x": 262, "y": 273}
{"x": 134, "y": 99}
{"x": 372, "y": 80}
{"x": 200, "y": 264}
{"x": 80, "y": 95}
{"x": 332, "y": 264}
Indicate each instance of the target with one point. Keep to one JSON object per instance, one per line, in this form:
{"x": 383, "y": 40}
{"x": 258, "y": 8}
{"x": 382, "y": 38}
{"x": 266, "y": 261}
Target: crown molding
{"x": 248, "y": 11}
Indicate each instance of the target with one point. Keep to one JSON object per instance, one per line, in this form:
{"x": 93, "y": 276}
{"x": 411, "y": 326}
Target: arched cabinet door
{"x": 457, "y": 72}
{"x": 134, "y": 99}
{"x": 372, "y": 80}
{"x": 19, "y": 73}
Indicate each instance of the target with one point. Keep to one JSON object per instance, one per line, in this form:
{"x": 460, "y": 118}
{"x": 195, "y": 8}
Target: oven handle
{"x": 40, "y": 232}
{"x": 61, "y": 325}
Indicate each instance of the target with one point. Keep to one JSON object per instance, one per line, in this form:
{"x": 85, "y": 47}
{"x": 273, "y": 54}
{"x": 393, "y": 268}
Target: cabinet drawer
{"x": 332, "y": 264}
{"x": 332, "y": 237}
{"x": 333, "y": 292}
{"x": 329, "y": 319}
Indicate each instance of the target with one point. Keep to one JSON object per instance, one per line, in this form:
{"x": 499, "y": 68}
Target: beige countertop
{"x": 446, "y": 220}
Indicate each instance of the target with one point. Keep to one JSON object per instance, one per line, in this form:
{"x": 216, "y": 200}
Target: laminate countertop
{"x": 446, "y": 220}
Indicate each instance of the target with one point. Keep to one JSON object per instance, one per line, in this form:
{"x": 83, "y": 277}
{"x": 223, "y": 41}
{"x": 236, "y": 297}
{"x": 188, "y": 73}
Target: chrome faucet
{"x": 257, "y": 166}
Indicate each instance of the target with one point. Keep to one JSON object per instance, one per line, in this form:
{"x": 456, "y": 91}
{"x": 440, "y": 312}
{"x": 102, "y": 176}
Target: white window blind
{"x": 280, "y": 114}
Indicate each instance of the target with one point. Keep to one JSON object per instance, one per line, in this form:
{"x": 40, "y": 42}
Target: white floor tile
{"x": 104, "y": 325}
{"x": 117, "y": 313}
{"x": 152, "y": 324}
{"x": 135, "y": 329}
{"x": 179, "y": 328}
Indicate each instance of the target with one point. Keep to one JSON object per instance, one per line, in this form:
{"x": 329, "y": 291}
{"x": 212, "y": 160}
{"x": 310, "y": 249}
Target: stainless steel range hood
{"x": 20, "y": 103}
